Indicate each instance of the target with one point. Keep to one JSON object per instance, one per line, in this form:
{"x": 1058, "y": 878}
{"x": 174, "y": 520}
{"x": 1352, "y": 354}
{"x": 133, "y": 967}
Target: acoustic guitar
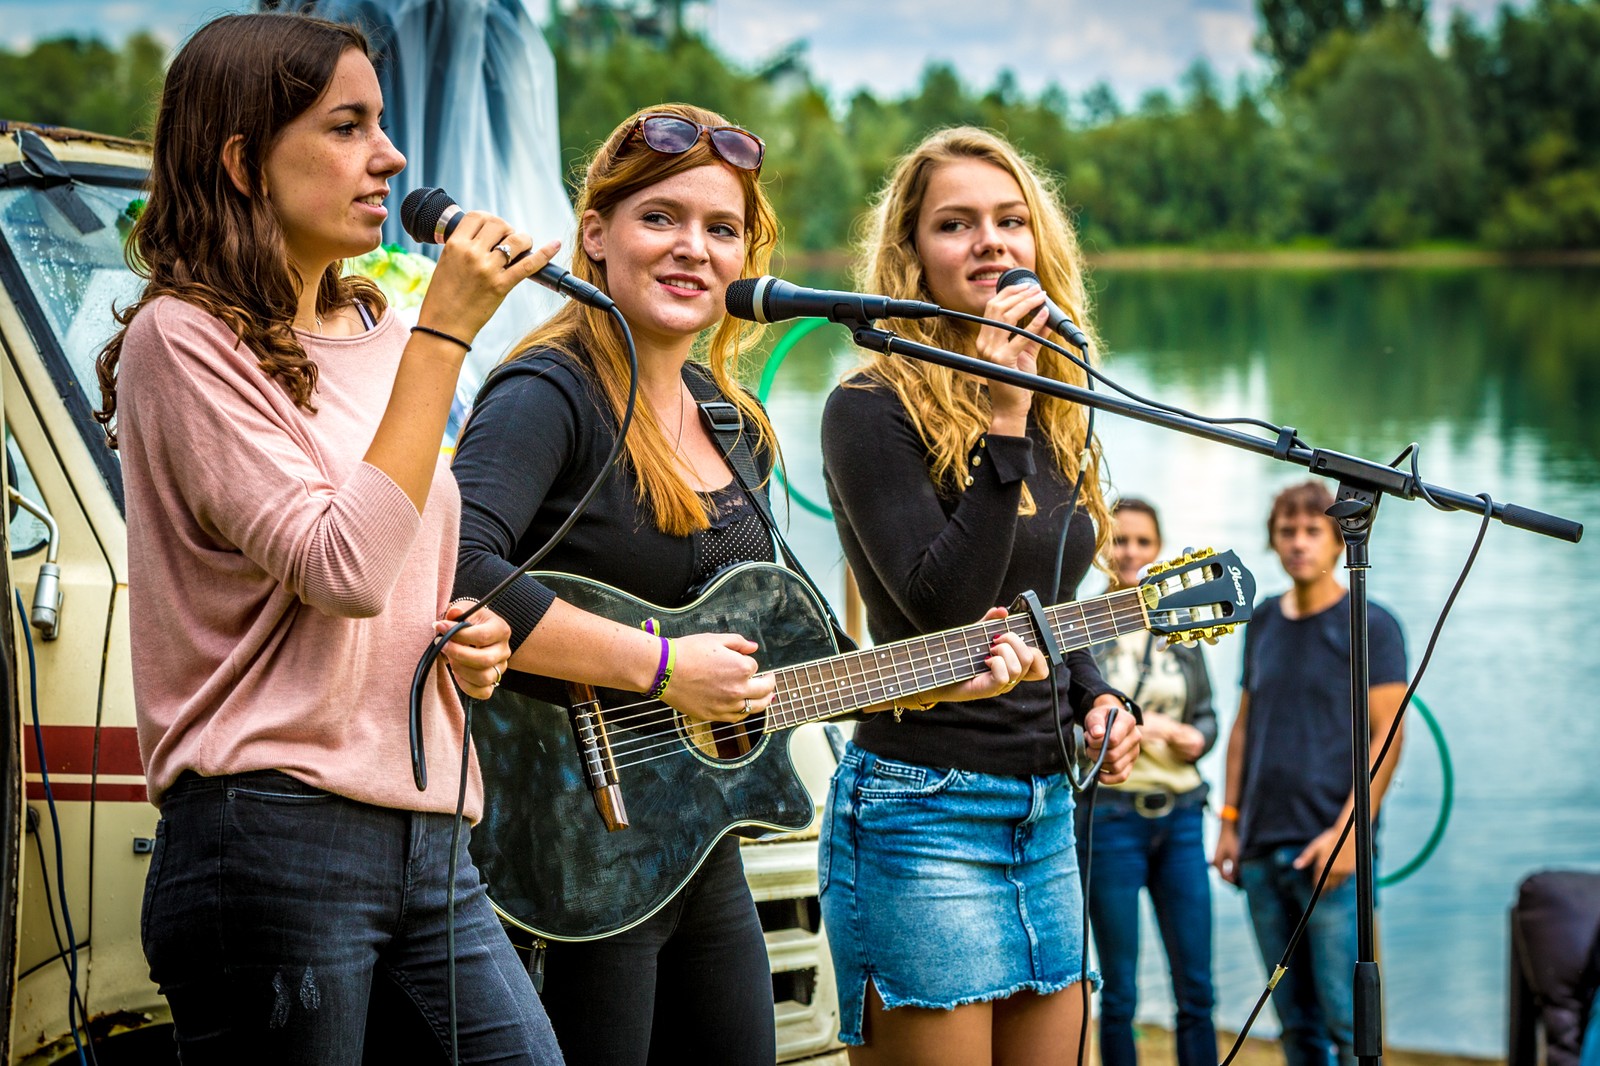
{"x": 597, "y": 814}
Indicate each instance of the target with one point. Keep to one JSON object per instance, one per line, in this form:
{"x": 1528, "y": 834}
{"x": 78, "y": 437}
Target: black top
{"x": 1298, "y": 753}
{"x": 537, "y": 438}
{"x": 928, "y": 560}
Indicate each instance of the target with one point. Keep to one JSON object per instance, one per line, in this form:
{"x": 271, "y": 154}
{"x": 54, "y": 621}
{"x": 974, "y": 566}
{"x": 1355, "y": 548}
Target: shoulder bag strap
{"x": 726, "y": 426}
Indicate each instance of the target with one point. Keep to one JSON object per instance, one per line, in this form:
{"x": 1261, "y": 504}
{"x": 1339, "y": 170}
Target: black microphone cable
{"x": 419, "y": 680}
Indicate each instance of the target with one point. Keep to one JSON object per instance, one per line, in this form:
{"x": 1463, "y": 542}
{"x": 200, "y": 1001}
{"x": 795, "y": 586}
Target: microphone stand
{"x": 1362, "y": 485}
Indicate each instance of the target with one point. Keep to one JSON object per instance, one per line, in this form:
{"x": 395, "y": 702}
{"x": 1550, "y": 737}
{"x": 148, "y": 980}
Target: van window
{"x": 76, "y": 278}
{"x": 26, "y": 533}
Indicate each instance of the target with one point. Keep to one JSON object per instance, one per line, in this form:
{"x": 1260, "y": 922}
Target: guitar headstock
{"x": 1200, "y": 595}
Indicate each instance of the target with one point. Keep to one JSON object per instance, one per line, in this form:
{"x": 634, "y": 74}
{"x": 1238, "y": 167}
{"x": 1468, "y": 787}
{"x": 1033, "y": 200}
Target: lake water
{"x": 1496, "y": 373}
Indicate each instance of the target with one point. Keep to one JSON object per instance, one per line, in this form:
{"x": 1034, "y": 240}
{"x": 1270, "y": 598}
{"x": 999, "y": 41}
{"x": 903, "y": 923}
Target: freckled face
{"x": 670, "y": 250}
{"x": 328, "y": 171}
{"x": 973, "y": 227}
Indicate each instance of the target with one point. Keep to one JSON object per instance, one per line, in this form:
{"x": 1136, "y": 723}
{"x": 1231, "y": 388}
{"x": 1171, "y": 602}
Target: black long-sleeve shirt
{"x": 927, "y": 560}
{"x": 538, "y": 437}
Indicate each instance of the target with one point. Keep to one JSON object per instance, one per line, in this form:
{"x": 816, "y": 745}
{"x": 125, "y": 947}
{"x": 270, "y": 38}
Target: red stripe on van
{"x": 78, "y": 792}
{"x": 70, "y": 750}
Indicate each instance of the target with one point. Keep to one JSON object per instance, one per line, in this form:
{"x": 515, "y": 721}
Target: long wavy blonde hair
{"x": 950, "y": 410}
{"x": 622, "y": 166}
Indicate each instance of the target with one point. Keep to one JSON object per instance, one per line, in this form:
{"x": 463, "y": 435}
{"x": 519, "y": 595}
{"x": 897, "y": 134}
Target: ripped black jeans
{"x": 285, "y": 924}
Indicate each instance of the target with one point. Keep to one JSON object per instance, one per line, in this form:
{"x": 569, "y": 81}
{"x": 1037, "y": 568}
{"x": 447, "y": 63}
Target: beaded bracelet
{"x": 442, "y": 335}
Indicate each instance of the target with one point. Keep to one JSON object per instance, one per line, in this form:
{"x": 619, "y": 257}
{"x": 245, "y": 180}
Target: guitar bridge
{"x": 594, "y": 749}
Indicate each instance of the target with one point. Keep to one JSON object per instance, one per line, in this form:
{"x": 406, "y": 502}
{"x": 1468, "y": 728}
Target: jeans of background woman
{"x": 275, "y": 913}
{"x": 1165, "y": 854}
{"x": 1315, "y": 1000}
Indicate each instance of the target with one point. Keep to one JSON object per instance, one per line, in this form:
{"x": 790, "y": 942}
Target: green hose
{"x": 1447, "y": 791}
{"x": 769, "y": 373}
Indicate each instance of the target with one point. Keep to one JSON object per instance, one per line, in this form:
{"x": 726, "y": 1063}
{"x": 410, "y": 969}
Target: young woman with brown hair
{"x": 292, "y": 543}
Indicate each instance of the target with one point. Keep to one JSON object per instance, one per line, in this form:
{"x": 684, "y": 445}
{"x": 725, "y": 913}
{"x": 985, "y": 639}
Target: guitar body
{"x": 552, "y": 867}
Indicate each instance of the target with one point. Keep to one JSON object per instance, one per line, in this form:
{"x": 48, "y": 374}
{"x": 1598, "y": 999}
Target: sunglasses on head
{"x": 671, "y": 135}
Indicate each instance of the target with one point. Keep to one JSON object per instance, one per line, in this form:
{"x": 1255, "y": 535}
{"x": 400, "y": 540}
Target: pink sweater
{"x": 280, "y": 589}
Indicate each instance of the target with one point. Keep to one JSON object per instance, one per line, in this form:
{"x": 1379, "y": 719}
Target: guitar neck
{"x": 825, "y": 688}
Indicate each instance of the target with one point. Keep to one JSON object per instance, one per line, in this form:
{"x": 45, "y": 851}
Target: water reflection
{"x": 1362, "y": 353}
{"x": 1494, "y": 372}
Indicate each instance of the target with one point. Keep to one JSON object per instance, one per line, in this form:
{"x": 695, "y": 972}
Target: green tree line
{"x": 1368, "y": 134}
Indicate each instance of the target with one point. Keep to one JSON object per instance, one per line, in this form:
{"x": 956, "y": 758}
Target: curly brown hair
{"x": 199, "y": 239}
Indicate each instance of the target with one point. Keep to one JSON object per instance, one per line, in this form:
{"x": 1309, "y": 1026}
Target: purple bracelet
{"x": 664, "y": 667}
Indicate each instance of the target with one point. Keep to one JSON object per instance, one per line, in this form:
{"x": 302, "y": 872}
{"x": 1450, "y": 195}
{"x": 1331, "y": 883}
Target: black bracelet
{"x": 442, "y": 335}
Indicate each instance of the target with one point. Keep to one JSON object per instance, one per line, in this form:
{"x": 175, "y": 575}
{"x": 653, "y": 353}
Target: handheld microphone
{"x": 1058, "y": 320}
{"x": 770, "y": 299}
{"x": 431, "y": 215}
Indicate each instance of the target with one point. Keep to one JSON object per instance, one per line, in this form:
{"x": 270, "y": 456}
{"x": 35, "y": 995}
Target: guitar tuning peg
{"x": 1211, "y": 639}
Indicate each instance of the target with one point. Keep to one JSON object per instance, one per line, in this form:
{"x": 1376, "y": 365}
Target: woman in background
{"x": 1148, "y": 830}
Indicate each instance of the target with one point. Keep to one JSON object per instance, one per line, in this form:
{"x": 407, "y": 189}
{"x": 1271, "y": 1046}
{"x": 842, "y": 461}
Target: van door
{"x": 11, "y": 825}
{"x": 87, "y": 827}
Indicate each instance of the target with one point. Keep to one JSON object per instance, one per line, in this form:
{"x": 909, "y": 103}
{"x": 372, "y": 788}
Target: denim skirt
{"x": 945, "y": 887}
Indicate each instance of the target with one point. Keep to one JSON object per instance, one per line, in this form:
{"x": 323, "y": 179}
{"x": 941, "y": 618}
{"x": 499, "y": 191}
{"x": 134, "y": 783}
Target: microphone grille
{"x": 741, "y": 299}
{"x": 1015, "y": 276}
{"x": 421, "y": 210}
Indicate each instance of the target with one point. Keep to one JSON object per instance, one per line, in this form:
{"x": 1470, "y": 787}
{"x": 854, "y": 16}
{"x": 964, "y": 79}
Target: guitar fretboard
{"x": 824, "y": 688}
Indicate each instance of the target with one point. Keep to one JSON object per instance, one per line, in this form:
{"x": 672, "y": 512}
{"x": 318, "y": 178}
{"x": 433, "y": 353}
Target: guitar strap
{"x": 726, "y": 426}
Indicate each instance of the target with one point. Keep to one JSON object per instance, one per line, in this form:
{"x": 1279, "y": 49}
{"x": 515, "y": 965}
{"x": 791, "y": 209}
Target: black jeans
{"x": 277, "y": 914}
{"x": 691, "y": 983}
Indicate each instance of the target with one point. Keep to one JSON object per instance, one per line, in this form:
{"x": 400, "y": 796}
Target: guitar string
{"x": 675, "y": 743}
{"x": 647, "y": 741}
{"x": 1118, "y": 616}
{"x": 797, "y": 702}
{"x": 1120, "y": 613}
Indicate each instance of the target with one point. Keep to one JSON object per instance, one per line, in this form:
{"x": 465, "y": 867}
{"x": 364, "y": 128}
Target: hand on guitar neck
{"x": 1012, "y": 662}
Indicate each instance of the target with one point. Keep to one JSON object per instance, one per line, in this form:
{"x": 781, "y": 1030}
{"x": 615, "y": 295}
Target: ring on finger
{"x": 499, "y": 672}
{"x": 504, "y": 250}
{"x": 747, "y": 705}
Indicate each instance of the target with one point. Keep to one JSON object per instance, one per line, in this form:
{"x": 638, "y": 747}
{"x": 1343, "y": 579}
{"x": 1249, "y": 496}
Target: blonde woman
{"x": 671, "y": 211}
{"x": 949, "y": 877}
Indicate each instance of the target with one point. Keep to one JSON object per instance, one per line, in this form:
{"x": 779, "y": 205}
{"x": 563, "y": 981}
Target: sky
{"x": 1134, "y": 45}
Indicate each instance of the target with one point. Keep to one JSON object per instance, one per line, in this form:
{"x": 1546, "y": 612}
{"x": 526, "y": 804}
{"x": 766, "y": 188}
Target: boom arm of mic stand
{"x": 1348, "y": 469}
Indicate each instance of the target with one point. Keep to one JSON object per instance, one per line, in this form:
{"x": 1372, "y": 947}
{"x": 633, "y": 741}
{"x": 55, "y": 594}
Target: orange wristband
{"x": 1228, "y": 813}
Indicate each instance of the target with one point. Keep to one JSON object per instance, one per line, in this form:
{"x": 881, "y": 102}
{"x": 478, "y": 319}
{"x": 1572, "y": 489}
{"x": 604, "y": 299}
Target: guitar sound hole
{"x": 723, "y": 741}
